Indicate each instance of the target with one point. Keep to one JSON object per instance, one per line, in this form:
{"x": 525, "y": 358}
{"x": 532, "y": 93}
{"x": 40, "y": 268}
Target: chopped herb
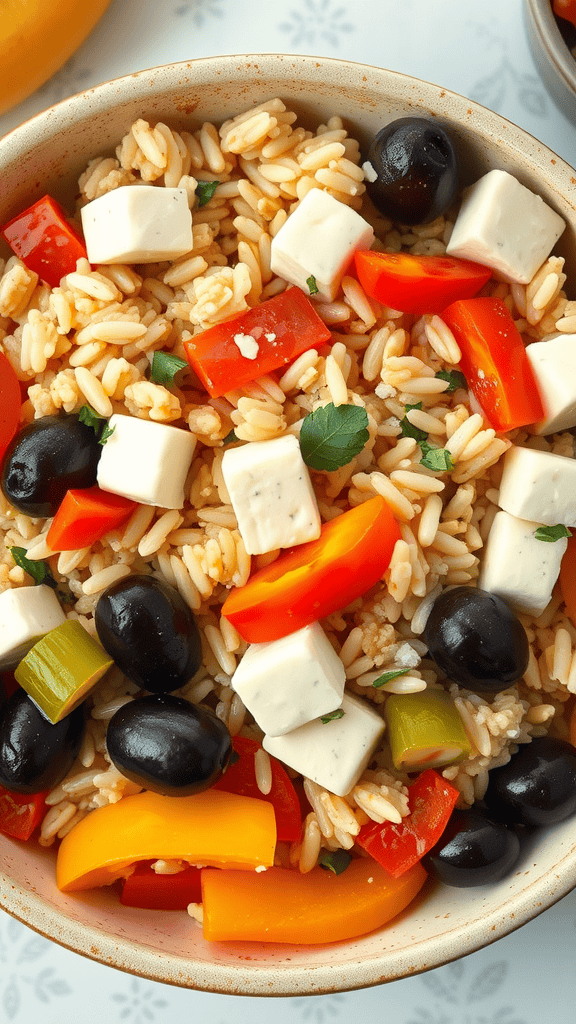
{"x": 332, "y": 716}
{"x": 90, "y": 417}
{"x": 438, "y": 459}
{"x": 39, "y": 571}
{"x": 552, "y": 533}
{"x": 230, "y": 438}
{"x": 455, "y": 378}
{"x": 408, "y": 429}
{"x": 106, "y": 433}
{"x": 387, "y": 677}
{"x": 165, "y": 366}
{"x": 335, "y": 860}
{"x": 332, "y": 436}
{"x": 312, "y": 286}
{"x": 205, "y": 190}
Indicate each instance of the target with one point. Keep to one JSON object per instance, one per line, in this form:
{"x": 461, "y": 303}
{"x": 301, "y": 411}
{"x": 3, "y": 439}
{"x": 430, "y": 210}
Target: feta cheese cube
{"x": 137, "y": 224}
{"x": 318, "y": 240}
{"x": 271, "y": 493}
{"x": 26, "y": 614}
{"x": 519, "y": 568}
{"x": 333, "y": 754}
{"x": 504, "y": 225}
{"x": 553, "y": 363}
{"x": 146, "y": 461}
{"x": 288, "y": 682}
{"x": 539, "y": 486}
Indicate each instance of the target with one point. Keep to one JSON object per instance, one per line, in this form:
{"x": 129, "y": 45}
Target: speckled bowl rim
{"x": 552, "y": 42}
{"x": 339, "y": 972}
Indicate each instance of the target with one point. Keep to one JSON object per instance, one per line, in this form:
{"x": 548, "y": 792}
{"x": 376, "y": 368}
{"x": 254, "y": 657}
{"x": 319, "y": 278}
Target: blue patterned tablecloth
{"x": 481, "y": 51}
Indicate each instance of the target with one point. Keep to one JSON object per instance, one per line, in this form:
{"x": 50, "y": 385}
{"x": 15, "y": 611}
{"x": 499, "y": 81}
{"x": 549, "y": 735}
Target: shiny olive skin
{"x": 476, "y": 639}
{"x": 150, "y": 632}
{"x": 34, "y": 754}
{"x": 537, "y": 786}
{"x": 168, "y": 745}
{"x": 48, "y": 457}
{"x": 474, "y": 850}
{"x": 417, "y": 170}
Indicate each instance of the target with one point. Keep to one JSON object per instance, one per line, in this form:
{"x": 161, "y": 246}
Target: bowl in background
{"x": 551, "y": 50}
{"x": 46, "y": 155}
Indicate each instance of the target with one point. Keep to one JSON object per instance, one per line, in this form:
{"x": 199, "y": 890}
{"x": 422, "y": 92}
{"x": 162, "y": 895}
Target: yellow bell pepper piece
{"x": 210, "y": 828}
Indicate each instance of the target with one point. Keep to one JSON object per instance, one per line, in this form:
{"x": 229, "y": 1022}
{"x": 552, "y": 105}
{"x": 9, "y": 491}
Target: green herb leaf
{"x": 332, "y": 435}
{"x": 90, "y": 417}
{"x": 438, "y": 459}
{"x": 205, "y": 190}
{"x": 408, "y": 429}
{"x": 312, "y": 286}
{"x": 455, "y": 378}
{"x": 106, "y": 433}
{"x": 165, "y": 366}
{"x": 552, "y": 533}
{"x": 339, "y": 713}
{"x": 39, "y": 571}
{"x": 387, "y": 677}
{"x": 335, "y": 860}
{"x": 230, "y": 438}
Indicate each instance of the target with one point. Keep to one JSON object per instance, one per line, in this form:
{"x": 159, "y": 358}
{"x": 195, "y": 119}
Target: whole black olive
{"x": 34, "y": 754}
{"x": 168, "y": 745}
{"x": 474, "y": 850}
{"x": 149, "y": 630}
{"x": 416, "y": 170}
{"x": 537, "y": 786}
{"x": 46, "y": 459}
{"x": 476, "y": 639}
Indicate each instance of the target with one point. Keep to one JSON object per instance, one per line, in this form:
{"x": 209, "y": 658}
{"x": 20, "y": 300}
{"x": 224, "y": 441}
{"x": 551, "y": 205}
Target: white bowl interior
{"x": 46, "y": 155}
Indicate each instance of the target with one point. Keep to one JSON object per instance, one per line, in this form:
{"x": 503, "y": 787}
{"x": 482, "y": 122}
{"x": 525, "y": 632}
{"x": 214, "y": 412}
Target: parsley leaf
{"x": 387, "y": 677}
{"x": 408, "y": 429}
{"x": 165, "y": 366}
{"x": 333, "y": 435}
{"x": 39, "y": 571}
{"x": 90, "y": 417}
{"x": 332, "y": 716}
{"x": 230, "y": 438}
{"x": 455, "y": 378}
{"x": 437, "y": 459}
{"x": 335, "y": 860}
{"x": 552, "y": 533}
{"x": 205, "y": 190}
{"x": 312, "y": 286}
{"x": 106, "y": 433}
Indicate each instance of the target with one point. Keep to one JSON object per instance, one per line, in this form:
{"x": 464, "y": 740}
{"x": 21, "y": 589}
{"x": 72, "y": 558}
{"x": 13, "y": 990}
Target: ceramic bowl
{"x": 550, "y": 40}
{"x": 46, "y": 155}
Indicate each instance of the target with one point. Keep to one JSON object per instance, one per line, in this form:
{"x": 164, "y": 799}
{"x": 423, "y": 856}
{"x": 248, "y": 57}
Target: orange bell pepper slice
{"x": 280, "y": 905}
{"x": 216, "y": 828}
{"x": 84, "y": 516}
{"x": 313, "y": 580}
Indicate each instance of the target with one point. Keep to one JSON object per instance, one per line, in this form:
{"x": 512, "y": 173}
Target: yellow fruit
{"x": 36, "y": 38}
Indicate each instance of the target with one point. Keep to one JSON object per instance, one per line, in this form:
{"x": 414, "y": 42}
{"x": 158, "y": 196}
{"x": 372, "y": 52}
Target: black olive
{"x": 476, "y": 639}
{"x": 34, "y": 754}
{"x": 417, "y": 170}
{"x": 474, "y": 850}
{"x": 149, "y": 630}
{"x": 168, "y": 745}
{"x": 46, "y": 459}
{"x": 537, "y": 786}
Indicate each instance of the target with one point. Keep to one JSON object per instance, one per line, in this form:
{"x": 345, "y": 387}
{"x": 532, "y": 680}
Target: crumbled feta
{"x": 519, "y": 568}
{"x": 137, "y": 225}
{"x": 407, "y": 657}
{"x": 247, "y": 345}
{"x": 26, "y": 614}
{"x": 369, "y": 171}
{"x": 539, "y": 486}
{"x": 291, "y": 681}
{"x": 146, "y": 461}
{"x": 553, "y": 363}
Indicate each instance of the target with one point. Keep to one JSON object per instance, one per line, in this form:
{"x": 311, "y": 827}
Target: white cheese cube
{"x": 137, "y": 224}
{"x": 539, "y": 486}
{"x": 271, "y": 494}
{"x": 26, "y": 614}
{"x": 318, "y": 240}
{"x": 554, "y": 366}
{"x": 288, "y": 682}
{"x": 333, "y": 754}
{"x": 146, "y": 461}
{"x": 504, "y": 225}
{"x": 519, "y": 568}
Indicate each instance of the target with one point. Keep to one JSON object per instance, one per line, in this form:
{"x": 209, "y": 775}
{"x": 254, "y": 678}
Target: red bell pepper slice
{"x": 281, "y": 328}
{"x": 418, "y": 284}
{"x": 240, "y": 778}
{"x": 147, "y": 889}
{"x": 45, "y": 241}
{"x": 21, "y": 813}
{"x": 10, "y": 405}
{"x": 494, "y": 362}
{"x": 431, "y": 800}
{"x": 84, "y": 516}
{"x": 565, "y": 9}
{"x": 313, "y": 580}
